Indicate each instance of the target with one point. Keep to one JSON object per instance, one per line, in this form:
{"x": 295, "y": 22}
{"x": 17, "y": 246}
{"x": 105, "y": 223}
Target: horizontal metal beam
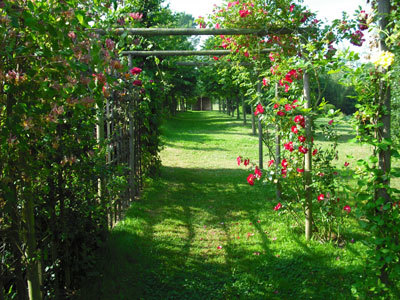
{"x": 195, "y": 31}
{"x": 203, "y": 63}
{"x": 183, "y": 52}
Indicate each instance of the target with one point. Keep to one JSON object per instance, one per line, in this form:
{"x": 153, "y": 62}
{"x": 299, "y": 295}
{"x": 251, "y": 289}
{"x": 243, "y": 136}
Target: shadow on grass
{"x": 167, "y": 246}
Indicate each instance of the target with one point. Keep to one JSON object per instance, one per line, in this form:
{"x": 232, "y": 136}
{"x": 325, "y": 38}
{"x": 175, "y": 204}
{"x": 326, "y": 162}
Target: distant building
{"x": 203, "y": 103}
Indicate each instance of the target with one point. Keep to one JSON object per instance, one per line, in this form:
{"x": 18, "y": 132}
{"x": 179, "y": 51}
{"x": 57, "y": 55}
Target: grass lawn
{"x": 201, "y": 232}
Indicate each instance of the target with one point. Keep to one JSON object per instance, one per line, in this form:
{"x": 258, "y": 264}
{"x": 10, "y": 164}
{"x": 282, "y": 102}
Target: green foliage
{"x": 57, "y": 78}
{"x": 335, "y": 94}
{"x": 378, "y": 215}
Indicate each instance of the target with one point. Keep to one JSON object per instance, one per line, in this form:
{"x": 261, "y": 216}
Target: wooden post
{"x": 219, "y": 104}
{"x": 308, "y": 159}
{"x": 260, "y": 132}
{"x": 277, "y": 152}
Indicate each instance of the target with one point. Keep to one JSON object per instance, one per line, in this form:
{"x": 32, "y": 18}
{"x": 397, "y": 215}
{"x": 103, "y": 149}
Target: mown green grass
{"x": 167, "y": 246}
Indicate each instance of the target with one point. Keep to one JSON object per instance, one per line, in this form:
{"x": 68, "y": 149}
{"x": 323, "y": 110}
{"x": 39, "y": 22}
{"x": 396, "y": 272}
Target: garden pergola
{"x": 215, "y": 31}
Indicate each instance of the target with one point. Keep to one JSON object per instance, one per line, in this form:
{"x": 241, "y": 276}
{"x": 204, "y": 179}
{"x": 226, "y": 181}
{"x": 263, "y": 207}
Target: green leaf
{"x": 81, "y": 18}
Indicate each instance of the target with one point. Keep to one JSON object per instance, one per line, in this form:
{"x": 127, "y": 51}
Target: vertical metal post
{"x": 308, "y": 159}
{"x": 277, "y": 151}
{"x": 100, "y": 142}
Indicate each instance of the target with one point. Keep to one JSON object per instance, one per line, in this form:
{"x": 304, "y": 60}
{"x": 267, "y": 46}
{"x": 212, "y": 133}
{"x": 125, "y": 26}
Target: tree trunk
{"x": 308, "y": 159}
{"x": 32, "y": 267}
{"x": 384, "y": 155}
{"x": 219, "y": 105}
{"x": 244, "y": 112}
{"x": 16, "y": 242}
{"x": 253, "y": 121}
{"x": 2, "y": 295}
{"x": 237, "y": 108}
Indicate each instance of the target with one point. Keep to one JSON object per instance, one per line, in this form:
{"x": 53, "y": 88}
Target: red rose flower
{"x": 303, "y": 149}
{"x": 239, "y": 160}
{"x": 137, "y": 82}
{"x": 286, "y": 88}
{"x": 321, "y": 197}
{"x": 300, "y": 170}
{"x": 347, "y": 208}
{"x": 330, "y": 122}
{"x": 346, "y": 164}
{"x": 270, "y": 163}
{"x": 280, "y": 113}
{"x": 278, "y": 206}
{"x": 294, "y": 129}
{"x": 250, "y": 179}
{"x": 314, "y": 152}
{"x": 259, "y": 109}
{"x": 298, "y": 119}
{"x": 246, "y": 162}
{"x": 244, "y": 13}
{"x": 288, "y": 107}
{"x": 276, "y": 106}
{"x": 257, "y": 172}
{"x": 302, "y": 138}
{"x": 271, "y": 57}
{"x": 289, "y": 146}
{"x": 284, "y": 163}
{"x": 135, "y": 71}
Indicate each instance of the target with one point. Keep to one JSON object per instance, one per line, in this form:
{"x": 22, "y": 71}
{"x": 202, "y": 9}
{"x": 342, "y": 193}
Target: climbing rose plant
{"x": 310, "y": 48}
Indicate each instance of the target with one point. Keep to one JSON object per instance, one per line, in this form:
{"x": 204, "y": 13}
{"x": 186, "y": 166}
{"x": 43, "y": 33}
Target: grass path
{"x": 201, "y": 232}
